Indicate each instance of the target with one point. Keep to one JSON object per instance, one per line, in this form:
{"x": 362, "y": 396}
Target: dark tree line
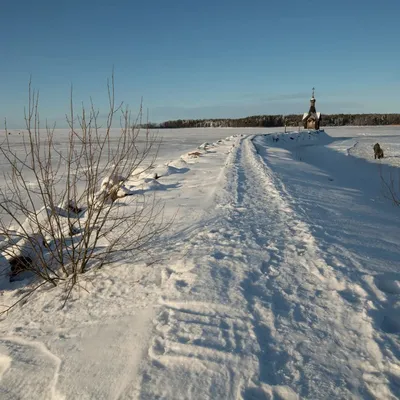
{"x": 282, "y": 120}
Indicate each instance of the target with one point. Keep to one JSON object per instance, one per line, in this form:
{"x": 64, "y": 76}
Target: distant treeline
{"x": 282, "y": 120}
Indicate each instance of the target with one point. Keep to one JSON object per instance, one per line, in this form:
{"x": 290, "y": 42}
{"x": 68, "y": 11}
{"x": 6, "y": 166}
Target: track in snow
{"x": 257, "y": 313}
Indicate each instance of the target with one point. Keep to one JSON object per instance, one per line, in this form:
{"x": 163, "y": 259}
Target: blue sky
{"x": 201, "y": 59}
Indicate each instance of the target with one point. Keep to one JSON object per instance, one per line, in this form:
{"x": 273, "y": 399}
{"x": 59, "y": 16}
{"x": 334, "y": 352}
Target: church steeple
{"x": 312, "y": 102}
{"x": 312, "y": 119}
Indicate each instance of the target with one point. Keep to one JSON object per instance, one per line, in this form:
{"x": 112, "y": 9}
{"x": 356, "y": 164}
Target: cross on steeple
{"x": 313, "y": 90}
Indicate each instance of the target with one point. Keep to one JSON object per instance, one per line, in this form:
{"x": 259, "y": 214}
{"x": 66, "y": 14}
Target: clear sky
{"x": 201, "y": 59}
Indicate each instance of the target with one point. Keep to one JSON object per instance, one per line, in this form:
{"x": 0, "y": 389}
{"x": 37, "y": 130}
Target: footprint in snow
{"x": 391, "y": 324}
{"x": 350, "y": 296}
{"x": 388, "y": 283}
{"x": 218, "y": 255}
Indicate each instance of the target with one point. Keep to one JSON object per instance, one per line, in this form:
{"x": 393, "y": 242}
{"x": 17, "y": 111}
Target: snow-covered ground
{"x": 279, "y": 279}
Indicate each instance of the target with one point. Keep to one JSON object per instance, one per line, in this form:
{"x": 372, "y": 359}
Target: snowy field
{"x": 279, "y": 279}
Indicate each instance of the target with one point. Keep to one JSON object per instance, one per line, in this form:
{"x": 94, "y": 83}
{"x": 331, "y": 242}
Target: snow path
{"x": 255, "y": 311}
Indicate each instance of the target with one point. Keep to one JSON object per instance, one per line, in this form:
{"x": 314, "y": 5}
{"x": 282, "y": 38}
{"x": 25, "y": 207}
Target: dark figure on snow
{"x": 378, "y": 152}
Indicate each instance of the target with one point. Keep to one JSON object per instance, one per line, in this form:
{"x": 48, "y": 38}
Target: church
{"x": 312, "y": 119}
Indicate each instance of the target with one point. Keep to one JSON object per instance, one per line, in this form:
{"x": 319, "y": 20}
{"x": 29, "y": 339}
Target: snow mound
{"x": 168, "y": 169}
{"x": 180, "y": 163}
{"x": 152, "y": 184}
{"x": 205, "y": 146}
{"x": 124, "y": 191}
{"x": 138, "y": 172}
{"x": 31, "y": 247}
{"x": 40, "y": 223}
{"x": 112, "y": 180}
{"x": 112, "y": 188}
{"x": 192, "y": 156}
{"x": 294, "y": 139}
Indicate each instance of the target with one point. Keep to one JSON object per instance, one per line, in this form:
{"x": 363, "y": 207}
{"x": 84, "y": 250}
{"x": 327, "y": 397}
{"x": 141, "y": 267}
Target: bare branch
{"x": 66, "y": 217}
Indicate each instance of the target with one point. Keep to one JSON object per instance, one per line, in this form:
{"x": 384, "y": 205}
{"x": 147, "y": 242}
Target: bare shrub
{"x": 390, "y": 185}
{"x": 58, "y": 202}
